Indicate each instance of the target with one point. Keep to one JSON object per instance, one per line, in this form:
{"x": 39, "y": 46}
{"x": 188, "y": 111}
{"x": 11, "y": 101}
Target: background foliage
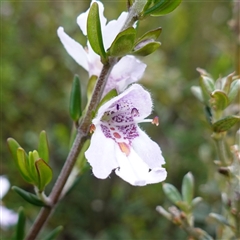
{"x": 36, "y": 76}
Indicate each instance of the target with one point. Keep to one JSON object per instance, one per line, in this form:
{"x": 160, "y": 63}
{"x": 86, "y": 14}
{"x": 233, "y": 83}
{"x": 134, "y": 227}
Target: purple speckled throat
{"x": 118, "y": 123}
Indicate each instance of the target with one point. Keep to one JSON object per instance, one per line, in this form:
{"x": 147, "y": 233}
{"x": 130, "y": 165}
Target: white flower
{"x": 118, "y": 142}
{"x": 7, "y": 216}
{"x": 126, "y": 71}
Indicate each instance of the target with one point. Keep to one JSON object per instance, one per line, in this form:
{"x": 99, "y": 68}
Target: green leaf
{"x": 187, "y": 188}
{"x": 91, "y": 84}
{"x": 172, "y": 193}
{"x": 153, "y": 35}
{"x": 226, "y": 123}
{"x": 43, "y": 148}
{"x": 20, "y": 228}
{"x": 219, "y": 100}
{"x": 75, "y": 108}
{"x": 44, "y": 173}
{"x": 207, "y": 86}
{"x": 33, "y": 156}
{"x": 234, "y": 89}
{"x": 53, "y": 234}
{"x": 29, "y": 197}
{"x": 111, "y": 94}
{"x": 196, "y": 201}
{"x": 162, "y": 7}
{"x": 164, "y": 212}
{"x": 197, "y": 92}
{"x": 123, "y": 43}
{"x": 94, "y": 32}
{"x": 13, "y": 146}
{"x": 220, "y": 219}
{"x": 147, "y": 48}
{"x": 22, "y": 163}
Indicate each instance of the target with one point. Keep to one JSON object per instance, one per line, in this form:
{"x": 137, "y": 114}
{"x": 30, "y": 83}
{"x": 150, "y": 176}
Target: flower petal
{"x": 7, "y": 217}
{"x": 131, "y": 169}
{"x": 4, "y": 186}
{"x": 156, "y": 175}
{"x": 82, "y": 18}
{"x": 101, "y": 154}
{"x": 128, "y": 70}
{"x": 136, "y": 94}
{"x": 148, "y": 150}
{"x": 134, "y": 170}
{"x": 74, "y": 49}
{"x": 111, "y": 30}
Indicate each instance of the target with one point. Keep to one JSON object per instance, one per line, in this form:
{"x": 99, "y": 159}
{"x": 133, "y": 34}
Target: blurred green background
{"x": 36, "y": 76}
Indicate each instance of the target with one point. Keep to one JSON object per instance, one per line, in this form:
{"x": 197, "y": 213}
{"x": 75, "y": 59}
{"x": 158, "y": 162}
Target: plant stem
{"x": 81, "y": 136}
{"x": 83, "y": 130}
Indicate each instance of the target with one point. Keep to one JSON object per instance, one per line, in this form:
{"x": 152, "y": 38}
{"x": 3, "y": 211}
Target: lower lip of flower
{"x": 125, "y": 148}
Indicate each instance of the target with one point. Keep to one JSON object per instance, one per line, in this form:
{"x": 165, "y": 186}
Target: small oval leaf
{"x": 234, "y": 89}
{"x": 219, "y": 100}
{"x": 44, "y": 174}
{"x": 23, "y": 165}
{"x": 162, "y": 8}
{"x": 153, "y": 35}
{"x": 75, "y": 108}
{"x": 94, "y": 32}
{"x": 225, "y": 124}
{"x": 43, "y": 149}
{"x": 172, "y": 193}
{"x": 146, "y": 49}
{"x": 20, "y": 228}
{"x": 123, "y": 43}
{"x": 188, "y": 188}
{"x": 29, "y": 197}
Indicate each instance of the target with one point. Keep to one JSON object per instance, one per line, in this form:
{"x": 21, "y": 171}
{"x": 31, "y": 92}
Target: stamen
{"x": 92, "y": 128}
{"x": 124, "y": 148}
{"x": 155, "y": 121}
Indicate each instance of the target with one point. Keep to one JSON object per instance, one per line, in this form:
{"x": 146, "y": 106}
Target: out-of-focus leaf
{"x": 147, "y": 49}
{"x": 188, "y": 188}
{"x": 123, "y": 43}
{"x": 162, "y": 7}
{"x": 220, "y": 219}
{"x": 172, "y": 193}
{"x": 53, "y": 234}
{"x": 94, "y": 32}
{"x": 219, "y": 100}
{"x": 91, "y": 84}
{"x": 44, "y": 174}
{"x": 197, "y": 92}
{"x": 225, "y": 124}
{"x": 29, "y": 197}
{"x": 234, "y": 89}
{"x": 43, "y": 149}
{"x": 164, "y": 212}
{"x": 196, "y": 201}
{"x": 20, "y": 228}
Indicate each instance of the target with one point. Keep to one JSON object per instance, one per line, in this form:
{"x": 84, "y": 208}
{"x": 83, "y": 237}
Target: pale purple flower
{"x": 126, "y": 71}
{"x": 7, "y": 216}
{"x": 118, "y": 142}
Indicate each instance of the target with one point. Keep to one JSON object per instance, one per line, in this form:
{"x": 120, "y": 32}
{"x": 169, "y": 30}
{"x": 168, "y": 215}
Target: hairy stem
{"x": 83, "y": 130}
{"x": 81, "y": 136}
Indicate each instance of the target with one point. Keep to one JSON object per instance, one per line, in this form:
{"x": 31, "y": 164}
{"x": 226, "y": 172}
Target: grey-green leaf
{"x": 20, "y": 227}
{"x": 188, "y": 188}
{"x": 29, "y": 197}
{"x": 172, "y": 193}
{"x": 94, "y": 31}
{"x": 123, "y": 43}
{"x": 225, "y": 123}
{"x": 146, "y": 49}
